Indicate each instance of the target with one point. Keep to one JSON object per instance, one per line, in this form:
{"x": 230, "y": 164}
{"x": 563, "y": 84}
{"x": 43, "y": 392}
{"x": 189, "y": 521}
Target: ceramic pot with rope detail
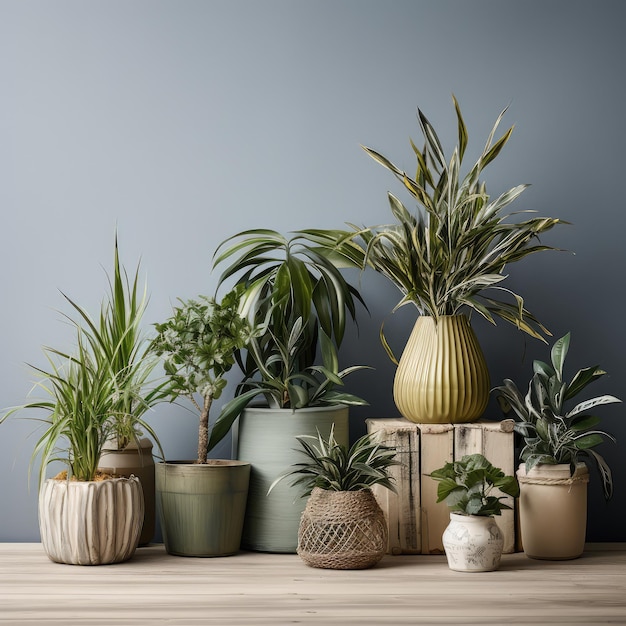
{"x": 553, "y": 511}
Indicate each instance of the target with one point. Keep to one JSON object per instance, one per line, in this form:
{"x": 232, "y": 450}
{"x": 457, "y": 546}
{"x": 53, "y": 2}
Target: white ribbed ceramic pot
{"x": 473, "y": 543}
{"x": 90, "y": 523}
{"x": 442, "y": 376}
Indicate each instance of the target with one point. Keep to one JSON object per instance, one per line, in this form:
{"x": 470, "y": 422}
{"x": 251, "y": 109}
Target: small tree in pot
{"x": 553, "y": 474}
{"x": 342, "y": 526}
{"x": 472, "y": 541}
{"x": 198, "y": 344}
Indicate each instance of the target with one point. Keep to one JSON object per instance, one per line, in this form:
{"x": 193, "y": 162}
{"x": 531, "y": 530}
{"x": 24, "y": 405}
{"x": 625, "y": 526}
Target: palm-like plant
{"x": 286, "y": 279}
{"x": 458, "y": 243}
{"x": 332, "y": 467}
{"x": 552, "y": 434}
{"x": 293, "y": 290}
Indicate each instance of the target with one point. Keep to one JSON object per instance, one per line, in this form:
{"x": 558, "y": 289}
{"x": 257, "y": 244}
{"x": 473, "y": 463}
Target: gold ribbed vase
{"x": 442, "y": 376}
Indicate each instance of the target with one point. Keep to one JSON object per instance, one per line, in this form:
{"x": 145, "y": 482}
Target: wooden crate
{"x": 416, "y": 521}
{"x": 402, "y": 510}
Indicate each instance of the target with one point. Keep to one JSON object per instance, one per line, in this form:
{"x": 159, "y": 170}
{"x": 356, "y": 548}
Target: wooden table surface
{"x": 257, "y": 588}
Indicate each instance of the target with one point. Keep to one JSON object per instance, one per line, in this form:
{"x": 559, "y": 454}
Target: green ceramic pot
{"x": 201, "y": 507}
{"x": 267, "y": 439}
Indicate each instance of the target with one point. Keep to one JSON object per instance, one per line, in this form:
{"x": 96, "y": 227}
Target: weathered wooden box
{"x": 416, "y": 522}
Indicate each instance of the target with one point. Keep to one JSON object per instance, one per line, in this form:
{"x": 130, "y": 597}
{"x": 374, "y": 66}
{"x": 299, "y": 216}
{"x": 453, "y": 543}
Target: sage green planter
{"x": 201, "y": 507}
{"x": 267, "y": 439}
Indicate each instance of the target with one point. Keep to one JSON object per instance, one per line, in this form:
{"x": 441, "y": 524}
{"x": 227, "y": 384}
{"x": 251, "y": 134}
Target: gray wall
{"x": 182, "y": 122}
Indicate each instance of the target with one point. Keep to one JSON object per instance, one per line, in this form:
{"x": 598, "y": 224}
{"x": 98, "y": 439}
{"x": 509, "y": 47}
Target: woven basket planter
{"x": 342, "y": 530}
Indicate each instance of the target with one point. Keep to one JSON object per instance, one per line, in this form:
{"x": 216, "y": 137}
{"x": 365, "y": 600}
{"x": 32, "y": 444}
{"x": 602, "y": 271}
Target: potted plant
{"x": 86, "y": 516}
{"x": 342, "y": 526}
{"x": 295, "y": 292}
{"x": 443, "y": 258}
{"x": 553, "y": 475}
{"x": 119, "y": 340}
{"x": 473, "y": 541}
{"x": 202, "y": 502}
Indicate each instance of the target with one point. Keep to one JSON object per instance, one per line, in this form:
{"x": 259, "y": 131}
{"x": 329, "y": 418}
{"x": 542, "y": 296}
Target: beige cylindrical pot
{"x": 90, "y": 523}
{"x": 342, "y": 530}
{"x": 473, "y": 543}
{"x": 442, "y": 376}
{"x": 135, "y": 460}
{"x": 267, "y": 439}
{"x": 202, "y": 507}
{"x": 553, "y": 511}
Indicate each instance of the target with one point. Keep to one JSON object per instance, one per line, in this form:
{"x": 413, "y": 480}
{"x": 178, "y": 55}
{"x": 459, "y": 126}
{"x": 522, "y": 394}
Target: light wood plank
{"x": 256, "y": 588}
{"x": 402, "y": 509}
{"x": 437, "y": 448}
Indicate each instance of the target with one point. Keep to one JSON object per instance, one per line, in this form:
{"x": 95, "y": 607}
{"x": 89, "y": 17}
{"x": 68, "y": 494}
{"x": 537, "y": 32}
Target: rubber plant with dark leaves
{"x": 198, "y": 343}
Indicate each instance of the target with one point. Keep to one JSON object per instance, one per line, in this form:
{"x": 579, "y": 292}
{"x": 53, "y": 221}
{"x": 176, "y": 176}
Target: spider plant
{"x": 467, "y": 486}
{"x": 82, "y": 397}
{"x": 444, "y": 256}
{"x": 332, "y": 467}
{"x": 99, "y": 392}
{"x": 552, "y": 434}
{"x": 198, "y": 344}
{"x": 118, "y": 340}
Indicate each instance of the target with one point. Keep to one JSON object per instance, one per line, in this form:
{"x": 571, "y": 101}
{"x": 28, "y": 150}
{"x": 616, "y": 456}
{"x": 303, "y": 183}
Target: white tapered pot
{"x": 90, "y": 523}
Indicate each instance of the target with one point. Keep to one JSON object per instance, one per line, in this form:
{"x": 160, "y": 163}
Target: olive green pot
{"x": 442, "y": 376}
{"x": 201, "y": 507}
{"x": 267, "y": 439}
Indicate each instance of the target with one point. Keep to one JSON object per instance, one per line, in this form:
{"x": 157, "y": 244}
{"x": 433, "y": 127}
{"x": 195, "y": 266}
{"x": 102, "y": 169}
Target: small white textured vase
{"x": 473, "y": 543}
{"x": 90, "y": 523}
